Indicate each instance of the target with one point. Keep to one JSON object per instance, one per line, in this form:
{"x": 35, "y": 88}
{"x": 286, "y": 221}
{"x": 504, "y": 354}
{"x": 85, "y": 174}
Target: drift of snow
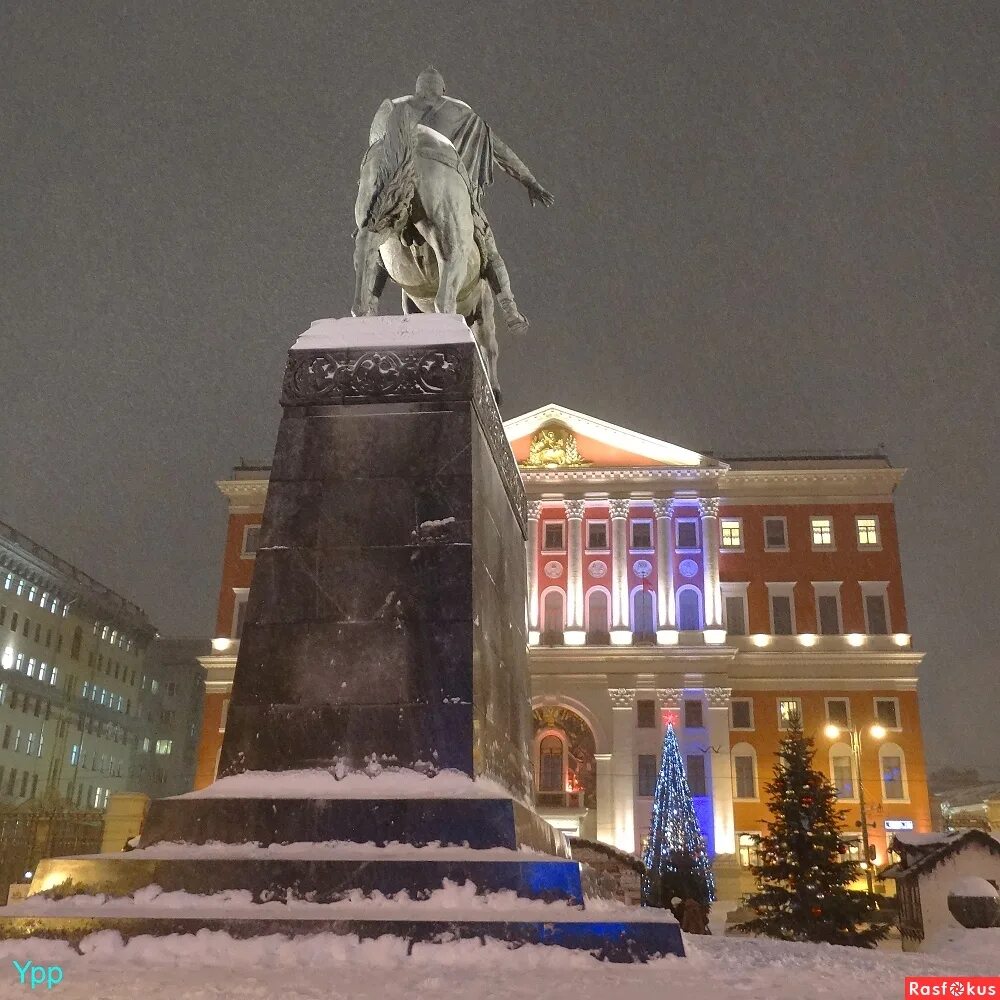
{"x": 399, "y": 332}
{"x": 401, "y": 783}
{"x": 972, "y": 886}
{"x": 213, "y": 966}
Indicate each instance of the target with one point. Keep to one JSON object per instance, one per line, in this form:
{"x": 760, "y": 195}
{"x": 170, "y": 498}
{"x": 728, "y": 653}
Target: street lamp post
{"x": 877, "y": 732}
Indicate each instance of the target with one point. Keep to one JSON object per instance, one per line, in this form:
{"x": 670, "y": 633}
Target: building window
{"x": 597, "y": 617}
{"x": 744, "y": 775}
{"x": 842, "y": 770}
{"x": 239, "y": 612}
{"x": 876, "y": 608}
{"x": 741, "y": 713}
{"x": 828, "y": 608}
{"x": 553, "y": 536}
{"x": 891, "y": 763}
{"x": 642, "y": 535}
{"x": 868, "y": 536}
{"x": 645, "y": 784}
{"x": 821, "y": 532}
{"x": 838, "y": 712}
{"x": 553, "y": 618}
{"x": 550, "y": 764}
{"x": 74, "y": 648}
{"x": 164, "y": 746}
{"x": 775, "y": 534}
{"x": 887, "y": 712}
{"x": 749, "y": 848}
{"x": 687, "y": 534}
{"x": 645, "y": 713}
{"x": 693, "y": 714}
{"x": 731, "y": 534}
{"x": 688, "y": 609}
{"x": 696, "y": 774}
{"x": 789, "y": 712}
{"x": 251, "y": 537}
{"x": 735, "y": 611}
{"x": 13, "y": 621}
{"x": 782, "y": 608}
{"x": 597, "y": 535}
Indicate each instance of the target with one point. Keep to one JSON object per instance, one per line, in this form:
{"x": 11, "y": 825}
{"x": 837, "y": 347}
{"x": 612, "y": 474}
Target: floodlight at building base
{"x": 534, "y": 636}
{"x": 667, "y": 636}
{"x": 575, "y": 637}
{"x": 621, "y": 637}
{"x": 715, "y": 636}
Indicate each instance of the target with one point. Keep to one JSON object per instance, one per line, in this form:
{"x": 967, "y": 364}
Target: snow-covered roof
{"x": 922, "y": 858}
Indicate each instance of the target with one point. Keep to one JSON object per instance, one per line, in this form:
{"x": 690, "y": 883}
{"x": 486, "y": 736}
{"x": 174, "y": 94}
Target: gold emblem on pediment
{"x": 554, "y": 448}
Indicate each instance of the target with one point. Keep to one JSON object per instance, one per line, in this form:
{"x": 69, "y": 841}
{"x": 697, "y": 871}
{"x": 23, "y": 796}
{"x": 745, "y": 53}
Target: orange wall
{"x": 751, "y": 816}
{"x": 211, "y": 740}
{"x": 236, "y": 571}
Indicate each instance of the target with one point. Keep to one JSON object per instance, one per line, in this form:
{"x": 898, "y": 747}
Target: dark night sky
{"x": 776, "y": 229}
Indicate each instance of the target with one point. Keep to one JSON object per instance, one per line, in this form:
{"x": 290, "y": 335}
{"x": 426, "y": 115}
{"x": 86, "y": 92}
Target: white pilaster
{"x": 531, "y": 544}
{"x": 605, "y": 800}
{"x": 620, "y": 632}
{"x": 722, "y": 769}
{"x": 574, "y": 634}
{"x": 666, "y": 610}
{"x": 709, "y": 509}
{"x": 622, "y": 767}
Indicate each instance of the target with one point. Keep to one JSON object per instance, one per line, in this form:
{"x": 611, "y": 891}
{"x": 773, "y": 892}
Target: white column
{"x": 574, "y": 634}
{"x": 714, "y": 630}
{"x": 623, "y": 767}
{"x": 531, "y": 544}
{"x": 722, "y": 769}
{"x": 621, "y": 634}
{"x": 605, "y": 800}
{"x": 666, "y": 610}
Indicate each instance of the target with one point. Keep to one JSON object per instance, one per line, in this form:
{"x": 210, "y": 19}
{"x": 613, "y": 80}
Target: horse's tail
{"x": 395, "y": 180}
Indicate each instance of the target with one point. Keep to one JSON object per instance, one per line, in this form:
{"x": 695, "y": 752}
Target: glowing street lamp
{"x": 877, "y": 732}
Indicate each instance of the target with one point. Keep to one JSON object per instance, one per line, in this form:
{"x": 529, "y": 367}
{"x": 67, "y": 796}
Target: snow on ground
{"x": 320, "y": 784}
{"x": 212, "y": 966}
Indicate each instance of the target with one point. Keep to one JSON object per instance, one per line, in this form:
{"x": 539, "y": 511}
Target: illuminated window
{"x": 821, "y": 529}
{"x": 749, "y": 847}
{"x": 868, "y": 537}
{"x": 8, "y": 581}
{"x": 732, "y": 532}
{"x": 21, "y": 583}
{"x": 164, "y": 746}
{"x": 789, "y": 712}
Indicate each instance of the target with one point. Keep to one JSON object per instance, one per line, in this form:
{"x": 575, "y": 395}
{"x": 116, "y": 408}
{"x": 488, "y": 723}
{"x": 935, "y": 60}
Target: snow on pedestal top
{"x": 399, "y": 332}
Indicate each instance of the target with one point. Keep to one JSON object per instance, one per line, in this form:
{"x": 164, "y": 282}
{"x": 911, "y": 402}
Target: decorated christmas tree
{"x": 676, "y": 857}
{"x": 803, "y": 871}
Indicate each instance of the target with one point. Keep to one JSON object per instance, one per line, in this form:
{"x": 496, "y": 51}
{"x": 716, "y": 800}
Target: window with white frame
{"x": 731, "y": 534}
{"x": 744, "y": 772}
{"x": 867, "y": 532}
{"x": 642, "y": 535}
{"x": 749, "y": 848}
{"x": 775, "y": 534}
{"x": 892, "y": 767}
{"x": 887, "y": 712}
{"x": 164, "y": 746}
{"x": 789, "y": 710}
{"x": 251, "y": 537}
{"x": 874, "y": 598}
{"x": 782, "y": 608}
{"x": 842, "y": 771}
{"x": 597, "y": 536}
{"x": 828, "y": 617}
{"x": 734, "y": 607}
{"x": 687, "y": 534}
{"x": 821, "y": 532}
{"x": 239, "y": 611}
{"x": 741, "y": 713}
{"x": 838, "y": 712}
{"x": 553, "y": 536}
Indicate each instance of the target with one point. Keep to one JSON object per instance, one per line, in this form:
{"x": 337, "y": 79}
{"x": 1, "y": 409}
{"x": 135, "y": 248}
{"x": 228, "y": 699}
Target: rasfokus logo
{"x": 952, "y": 986}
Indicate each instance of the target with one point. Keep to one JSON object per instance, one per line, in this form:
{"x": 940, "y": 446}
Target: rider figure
{"x": 478, "y": 146}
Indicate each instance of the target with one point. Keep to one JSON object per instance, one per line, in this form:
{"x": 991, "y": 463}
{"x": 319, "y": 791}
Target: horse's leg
{"x": 451, "y": 251}
{"x": 486, "y": 335}
{"x": 409, "y": 306}
{"x": 366, "y": 245}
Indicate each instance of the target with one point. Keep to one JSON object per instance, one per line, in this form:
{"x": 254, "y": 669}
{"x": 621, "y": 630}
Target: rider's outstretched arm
{"x": 512, "y": 164}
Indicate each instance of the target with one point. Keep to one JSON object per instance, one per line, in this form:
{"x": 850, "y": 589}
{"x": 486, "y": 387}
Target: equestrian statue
{"x": 420, "y": 217}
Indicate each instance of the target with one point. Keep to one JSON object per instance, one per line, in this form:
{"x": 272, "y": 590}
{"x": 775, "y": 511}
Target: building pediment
{"x": 556, "y": 437}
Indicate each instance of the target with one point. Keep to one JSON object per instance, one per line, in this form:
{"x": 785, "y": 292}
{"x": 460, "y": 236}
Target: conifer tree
{"x": 803, "y": 872}
{"x": 676, "y": 857}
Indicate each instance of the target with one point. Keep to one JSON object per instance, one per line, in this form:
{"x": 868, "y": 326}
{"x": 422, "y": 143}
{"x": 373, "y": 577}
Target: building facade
{"x": 72, "y": 654}
{"x": 725, "y": 596}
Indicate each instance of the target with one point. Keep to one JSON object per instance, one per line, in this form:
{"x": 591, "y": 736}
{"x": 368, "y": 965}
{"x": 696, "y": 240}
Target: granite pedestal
{"x": 385, "y": 635}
